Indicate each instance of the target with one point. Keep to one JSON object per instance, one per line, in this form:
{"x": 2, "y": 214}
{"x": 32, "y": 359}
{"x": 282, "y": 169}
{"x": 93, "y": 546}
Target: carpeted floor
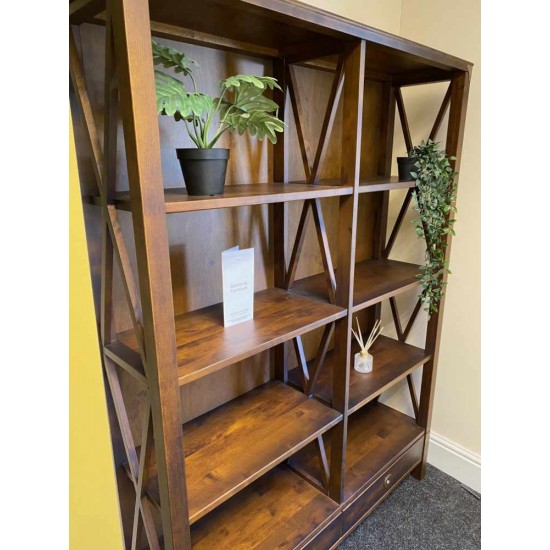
{"x": 437, "y": 513}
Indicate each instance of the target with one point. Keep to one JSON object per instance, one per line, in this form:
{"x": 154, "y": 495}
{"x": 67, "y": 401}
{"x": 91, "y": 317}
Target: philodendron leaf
{"x": 174, "y": 100}
{"x": 171, "y": 58}
{"x": 257, "y": 123}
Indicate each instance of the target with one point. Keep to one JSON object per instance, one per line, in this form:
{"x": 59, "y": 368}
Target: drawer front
{"x": 382, "y": 486}
{"x": 327, "y": 537}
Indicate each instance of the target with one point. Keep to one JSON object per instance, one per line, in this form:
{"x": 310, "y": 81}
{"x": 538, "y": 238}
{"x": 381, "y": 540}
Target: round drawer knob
{"x": 388, "y": 480}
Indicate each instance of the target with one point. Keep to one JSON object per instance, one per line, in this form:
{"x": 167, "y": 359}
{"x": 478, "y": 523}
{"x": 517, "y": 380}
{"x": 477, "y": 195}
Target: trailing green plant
{"x": 241, "y": 107}
{"x": 435, "y": 199}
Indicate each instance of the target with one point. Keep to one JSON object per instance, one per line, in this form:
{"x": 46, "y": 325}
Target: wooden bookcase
{"x": 260, "y": 435}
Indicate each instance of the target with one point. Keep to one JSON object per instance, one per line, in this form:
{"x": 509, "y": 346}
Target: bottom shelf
{"x": 280, "y": 510}
{"x": 377, "y": 436}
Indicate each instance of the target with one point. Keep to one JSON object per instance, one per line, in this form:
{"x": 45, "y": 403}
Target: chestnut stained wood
{"x": 375, "y": 281}
{"x": 377, "y": 434}
{"x": 280, "y": 510}
{"x": 177, "y": 199}
{"x": 393, "y": 361}
{"x": 205, "y": 346}
{"x": 383, "y": 183}
{"x": 233, "y": 445}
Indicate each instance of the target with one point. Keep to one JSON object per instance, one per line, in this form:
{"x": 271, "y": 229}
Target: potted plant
{"x": 241, "y": 107}
{"x": 435, "y": 198}
{"x": 405, "y": 165}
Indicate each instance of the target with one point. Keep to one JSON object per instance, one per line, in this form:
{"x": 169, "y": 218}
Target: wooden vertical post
{"x": 279, "y": 211}
{"x": 455, "y": 133}
{"x": 138, "y": 106}
{"x": 354, "y": 68}
{"x": 382, "y": 198}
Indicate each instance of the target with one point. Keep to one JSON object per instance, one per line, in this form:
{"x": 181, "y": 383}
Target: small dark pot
{"x": 404, "y": 167}
{"x": 203, "y": 170}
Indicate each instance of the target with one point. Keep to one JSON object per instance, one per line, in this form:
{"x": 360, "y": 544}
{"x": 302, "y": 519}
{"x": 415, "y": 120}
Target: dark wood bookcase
{"x": 260, "y": 435}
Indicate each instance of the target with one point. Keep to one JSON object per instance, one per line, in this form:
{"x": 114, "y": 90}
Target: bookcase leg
{"x": 354, "y": 68}
{"x": 455, "y": 132}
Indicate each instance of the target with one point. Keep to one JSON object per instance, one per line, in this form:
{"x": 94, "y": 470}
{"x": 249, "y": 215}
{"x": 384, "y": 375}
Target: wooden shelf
{"x": 204, "y": 345}
{"x": 383, "y": 183}
{"x": 377, "y": 434}
{"x": 375, "y": 281}
{"x": 233, "y": 445}
{"x": 280, "y": 510}
{"x": 393, "y": 360}
{"x": 177, "y": 199}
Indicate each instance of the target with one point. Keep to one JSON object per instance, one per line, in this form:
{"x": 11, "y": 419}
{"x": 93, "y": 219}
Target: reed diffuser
{"x": 364, "y": 360}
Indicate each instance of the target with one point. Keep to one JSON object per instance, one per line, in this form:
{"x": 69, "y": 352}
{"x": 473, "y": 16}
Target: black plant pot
{"x": 203, "y": 170}
{"x": 406, "y": 165}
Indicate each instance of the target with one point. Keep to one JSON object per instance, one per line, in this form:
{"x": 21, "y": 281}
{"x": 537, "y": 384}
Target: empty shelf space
{"x": 280, "y": 510}
{"x": 393, "y": 360}
{"x": 383, "y": 183}
{"x": 377, "y": 434}
{"x": 233, "y": 445}
{"x": 375, "y": 281}
{"x": 177, "y": 199}
{"x": 204, "y": 345}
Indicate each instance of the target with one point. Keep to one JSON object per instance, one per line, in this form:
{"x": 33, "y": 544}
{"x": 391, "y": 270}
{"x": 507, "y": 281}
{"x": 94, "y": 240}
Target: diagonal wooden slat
{"x": 325, "y": 249}
{"x": 323, "y": 461}
{"x": 414, "y": 398}
{"x": 312, "y": 174}
{"x": 298, "y": 244}
{"x": 441, "y": 113}
{"x": 141, "y": 484}
{"x": 412, "y": 319}
{"x": 149, "y": 523}
{"x": 398, "y": 223}
{"x": 297, "y": 109}
{"x": 403, "y": 119}
{"x": 319, "y": 358}
{"x": 301, "y": 357}
{"x": 79, "y": 85}
{"x": 130, "y": 289}
{"x": 328, "y": 121}
{"x": 122, "y": 417}
{"x": 396, "y": 320}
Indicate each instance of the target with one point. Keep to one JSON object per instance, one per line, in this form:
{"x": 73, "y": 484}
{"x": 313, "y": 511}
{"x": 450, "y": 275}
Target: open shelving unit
{"x": 260, "y": 435}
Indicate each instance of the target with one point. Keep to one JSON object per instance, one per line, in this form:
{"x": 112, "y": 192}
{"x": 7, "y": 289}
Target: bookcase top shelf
{"x": 177, "y": 200}
{"x": 284, "y": 28}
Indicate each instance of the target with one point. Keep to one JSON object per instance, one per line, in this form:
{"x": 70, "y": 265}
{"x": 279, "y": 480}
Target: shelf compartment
{"x": 393, "y": 361}
{"x": 377, "y": 436}
{"x": 177, "y": 200}
{"x": 280, "y": 510}
{"x": 230, "y": 447}
{"x": 375, "y": 281}
{"x": 204, "y": 345}
{"x": 383, "y": 183}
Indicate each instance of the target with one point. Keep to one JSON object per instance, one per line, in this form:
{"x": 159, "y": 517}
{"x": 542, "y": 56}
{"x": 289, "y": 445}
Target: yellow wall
{"x": 94, "y": 519}
{"x": 450, "y": 26}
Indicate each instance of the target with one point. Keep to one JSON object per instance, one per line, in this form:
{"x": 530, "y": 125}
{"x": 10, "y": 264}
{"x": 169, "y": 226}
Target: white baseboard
{"x": 455, "y": 460}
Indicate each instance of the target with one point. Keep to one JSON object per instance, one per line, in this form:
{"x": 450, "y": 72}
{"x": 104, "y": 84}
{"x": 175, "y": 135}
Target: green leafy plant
{"x": 241, "y": 107}
{"x": 435, "y": 198}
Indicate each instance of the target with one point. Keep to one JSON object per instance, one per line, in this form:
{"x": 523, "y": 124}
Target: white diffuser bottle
{"x": 364, "y": 361}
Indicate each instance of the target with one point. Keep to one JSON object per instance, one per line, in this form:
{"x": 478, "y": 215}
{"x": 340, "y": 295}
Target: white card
{"x": 238, "y": 285}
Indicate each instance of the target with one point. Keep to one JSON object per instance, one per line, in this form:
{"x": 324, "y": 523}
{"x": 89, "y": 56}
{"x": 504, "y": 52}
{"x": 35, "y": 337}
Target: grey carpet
{"x": 437, "y": 513}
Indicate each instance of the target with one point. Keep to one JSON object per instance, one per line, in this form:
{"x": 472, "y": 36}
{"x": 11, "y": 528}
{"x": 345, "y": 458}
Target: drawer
{"x": 381, "y": 486}
{"x": 327, "y": 537}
